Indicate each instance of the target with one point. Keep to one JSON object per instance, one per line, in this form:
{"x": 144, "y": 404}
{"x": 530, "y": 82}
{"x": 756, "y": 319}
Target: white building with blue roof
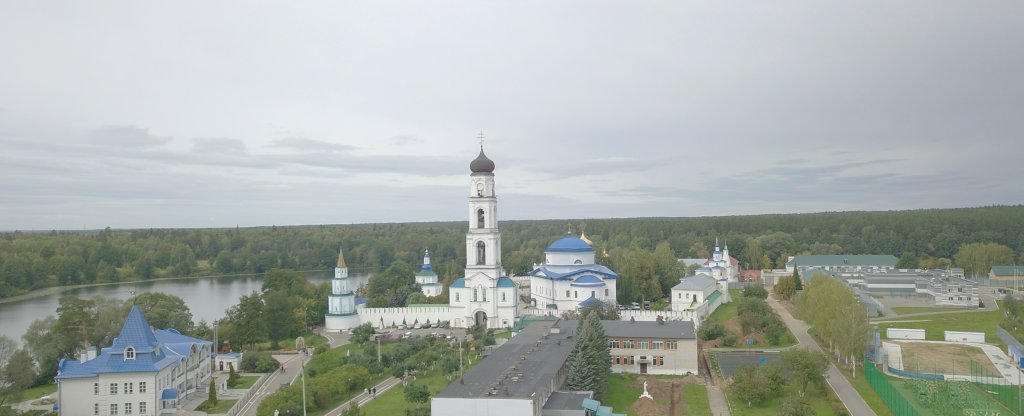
{"x": 570, "y": 278}
{"x": 427, "y": 278}
{"x": 144, "y": 372}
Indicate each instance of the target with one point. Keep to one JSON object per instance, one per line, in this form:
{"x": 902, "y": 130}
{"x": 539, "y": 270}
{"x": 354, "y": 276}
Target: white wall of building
{"x": 901, "y": 333}
{"x": 959, "y": 336}
{"x": 483, "y": 406}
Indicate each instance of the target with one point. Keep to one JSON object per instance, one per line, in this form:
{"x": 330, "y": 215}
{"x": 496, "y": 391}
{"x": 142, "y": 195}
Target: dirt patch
{"x": 952, "y": 359}
{"x": 733, "y": 325}
{"x": 661, "y": 390}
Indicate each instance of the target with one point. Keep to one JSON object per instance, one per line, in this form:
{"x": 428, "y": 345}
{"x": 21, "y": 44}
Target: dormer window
{"x": 129, "y": 353}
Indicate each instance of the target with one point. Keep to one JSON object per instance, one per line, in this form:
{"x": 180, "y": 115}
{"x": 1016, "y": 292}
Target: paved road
{"x": 274, "y": 380}
{"x": 850, "y": 398}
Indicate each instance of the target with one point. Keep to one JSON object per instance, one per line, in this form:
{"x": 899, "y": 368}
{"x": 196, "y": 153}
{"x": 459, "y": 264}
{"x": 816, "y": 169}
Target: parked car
{"x": 417, "y": 326}
{"x": 402, "y": 327}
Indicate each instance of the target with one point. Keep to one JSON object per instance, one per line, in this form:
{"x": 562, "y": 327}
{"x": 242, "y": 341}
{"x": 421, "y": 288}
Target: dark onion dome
{"x": 481, "y": 164}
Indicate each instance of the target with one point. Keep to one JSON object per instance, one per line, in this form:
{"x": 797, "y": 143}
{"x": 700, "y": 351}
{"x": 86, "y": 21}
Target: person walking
{"x": 374, "y": 392}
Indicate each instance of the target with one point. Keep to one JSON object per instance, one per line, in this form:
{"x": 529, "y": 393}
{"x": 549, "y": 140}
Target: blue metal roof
{"x": 588, "y": 280}
{"x": 169, "y": 394}
{"x": 590, "y": 300}
{"x": 459, "y": 283}
{"x": 154, "y": 351}
{"x": 360, "y": 301}
{"x": 569, "y": 272}
{"x": 135, "y": 333}
{"x": 503, "y": 282}
{"x": 570, "y": 244}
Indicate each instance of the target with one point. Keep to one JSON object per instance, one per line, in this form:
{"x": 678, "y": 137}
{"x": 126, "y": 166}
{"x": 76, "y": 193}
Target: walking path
{"x": 363, "y": 399}
{"x": 844, "y": 390}
{"x": 716, "y": 399}
{"x": 274, "y": 380}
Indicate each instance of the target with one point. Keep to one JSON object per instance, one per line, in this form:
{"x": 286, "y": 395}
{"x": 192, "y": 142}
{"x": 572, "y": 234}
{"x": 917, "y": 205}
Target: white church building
{"x": 721, "y": 266}
{"x": 570, "y": 277}
{"x": 427, "y": 279}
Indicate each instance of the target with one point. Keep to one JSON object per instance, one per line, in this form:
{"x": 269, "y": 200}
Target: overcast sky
{"x": 204, "y": 114}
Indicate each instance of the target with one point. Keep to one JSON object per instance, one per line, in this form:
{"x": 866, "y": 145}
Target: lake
{"x": 207, "y": 298}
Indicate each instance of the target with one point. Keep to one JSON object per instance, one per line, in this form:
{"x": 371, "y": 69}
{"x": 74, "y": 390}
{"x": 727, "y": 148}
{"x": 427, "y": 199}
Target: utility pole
{"x": 302, "y": 368}
{"x": 378, "y": 347}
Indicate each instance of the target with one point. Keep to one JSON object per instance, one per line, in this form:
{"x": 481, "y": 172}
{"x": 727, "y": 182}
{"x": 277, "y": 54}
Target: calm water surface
{"x": 206, "y": 298}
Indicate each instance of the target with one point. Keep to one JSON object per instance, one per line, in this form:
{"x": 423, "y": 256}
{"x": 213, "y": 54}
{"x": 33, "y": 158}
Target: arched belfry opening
{"x": 481, "y": 253}
{"x": 480, "y": 218}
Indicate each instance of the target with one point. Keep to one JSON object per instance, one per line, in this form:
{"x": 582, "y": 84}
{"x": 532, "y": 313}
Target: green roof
{"x": 845, "y": 260}
{"x": 713, "y": 297}
{"x": 1012, "y": 270}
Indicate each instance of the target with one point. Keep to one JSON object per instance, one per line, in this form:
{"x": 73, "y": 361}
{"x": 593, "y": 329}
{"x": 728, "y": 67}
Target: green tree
{"x": 362, "y": 333}
{"x": 590, "y": 361}
{"x": 246, "y": 320}
{"x": 417, "y": 393}
{"x": 805, "y": 366}
{"x": 278, "y": 313}
{"x": 211, "y": 398}
{"x": 165, "y": 311}
{"x": 750, "y": 385}
{"x": 233, "y": 377}
{"x": 785, "y": 287}
{"x": 908, "y": 261}
{"x": 796, "y": 406}
{"x": 798, "y": 283}
{"x": 756, "y": 291}
{"x": 977, "y": 259}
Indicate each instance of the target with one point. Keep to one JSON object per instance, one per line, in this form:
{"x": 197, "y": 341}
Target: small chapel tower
{"x": 341, "y": 302}
{"x": 427, "y": 279}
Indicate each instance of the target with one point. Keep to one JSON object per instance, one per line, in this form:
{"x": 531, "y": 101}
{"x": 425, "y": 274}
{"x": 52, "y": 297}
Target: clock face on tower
{"x": 479, "y": 189}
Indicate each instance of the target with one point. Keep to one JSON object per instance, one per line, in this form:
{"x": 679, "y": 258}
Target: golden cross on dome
{"x": 481, "y": 137}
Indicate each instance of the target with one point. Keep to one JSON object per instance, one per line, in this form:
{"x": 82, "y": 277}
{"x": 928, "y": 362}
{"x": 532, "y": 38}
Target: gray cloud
{"x": 371, "y": 113}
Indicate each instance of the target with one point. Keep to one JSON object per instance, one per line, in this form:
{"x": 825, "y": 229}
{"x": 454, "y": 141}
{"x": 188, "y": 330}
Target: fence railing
{"x": 248, "y": 395}
{"x": 885, "y": 390}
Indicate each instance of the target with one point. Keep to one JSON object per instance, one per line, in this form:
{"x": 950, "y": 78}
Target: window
{"x": 679, "y": 295}
{"x": 127, "y": 408}
{"x": 113, "y": 410}
{"x": 629, "y": 360}
{"x": 113, "y": 388}
{"x": 643, "y": 344}
{"x": 613, "y": 343}
{"x": 566, "y": 293}
{"x": 502, "y": 296}
{"x": 671, "y": 345}
{"x": 456, "y": 296}
{"x": 142, "y": 387}
{"x": 481, "y": 252}
{"x": 129, "y": 388}
{"x": 578, "y": 261}
{"x": 142, "y": 406}
{"x": 96, "y": 409}
{"x": 593, "y": 293}
{"x": 483, "y": 292}
{"x": 476, "y": 294}
{"x": 129, "y": 353}
{"x": 627, "y": 343}
{"x": 656, "y": 345}
{"x": 95, "y": 389}
{"x": 575, "y": 294}
{"x": 606, "y": 293}
{"x": 659, "y": 360}
{"x": 480, "y": 218}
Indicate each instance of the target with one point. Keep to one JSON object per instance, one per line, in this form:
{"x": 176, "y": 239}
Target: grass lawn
{"x": 620, "y": 396}
{"x": 903, "y": 310}
{"x": 222, "y": 407}
{"x": 695, "y": 400}
{"x": 39, "y": 391}
{"x": 725, "y": 311}
{"x": 934, "y": 325}
{"x": 245, "y": 382}
{"x": 392, "y": 402}
{"x": 816, "y": 397}
{"x": 503, "y": 334}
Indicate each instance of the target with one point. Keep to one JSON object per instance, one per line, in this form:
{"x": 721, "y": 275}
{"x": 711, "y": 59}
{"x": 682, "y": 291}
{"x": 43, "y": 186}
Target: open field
{"x": 624, "y": 391}
{"x": 934, "y": 358}
{"x": 934, "y": 325}
{"x": 621, "y": 395}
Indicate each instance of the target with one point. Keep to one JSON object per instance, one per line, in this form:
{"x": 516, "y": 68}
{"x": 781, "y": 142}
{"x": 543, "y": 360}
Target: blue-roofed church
{"x": 570, "y": 278}
{"x": 427, "y": 278}
{"x": 144, "y": 372}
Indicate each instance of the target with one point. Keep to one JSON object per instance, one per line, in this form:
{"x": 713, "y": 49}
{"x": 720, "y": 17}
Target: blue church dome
{"x": 570, "y": 244}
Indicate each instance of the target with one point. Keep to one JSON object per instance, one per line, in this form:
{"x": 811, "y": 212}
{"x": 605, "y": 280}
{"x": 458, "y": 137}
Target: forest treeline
{"x": 637, "y": 248}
